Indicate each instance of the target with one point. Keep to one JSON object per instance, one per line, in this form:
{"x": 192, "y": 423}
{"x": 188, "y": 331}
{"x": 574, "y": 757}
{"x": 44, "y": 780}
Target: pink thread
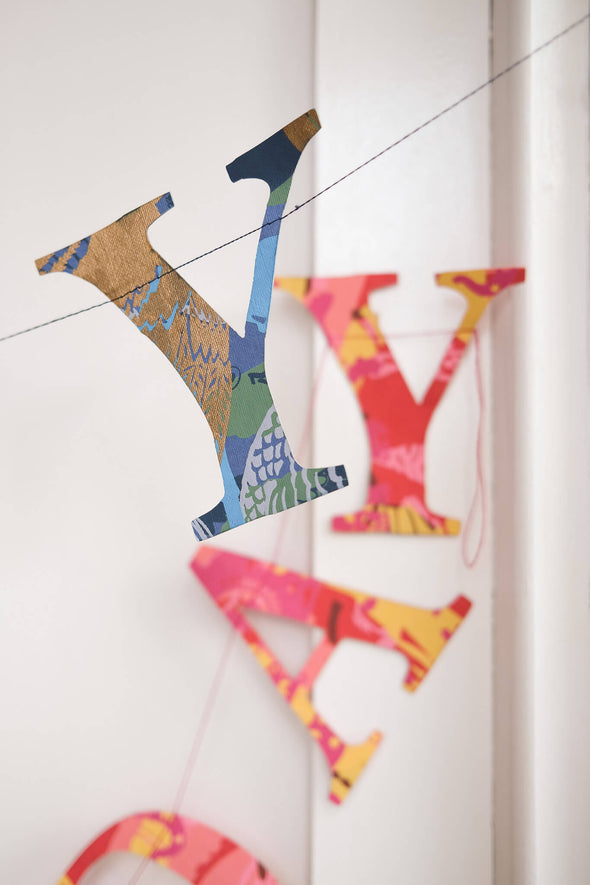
{"x": 230, "y": 642}
{"x": 423, "y": 334}
{"x": 480, "y": 485}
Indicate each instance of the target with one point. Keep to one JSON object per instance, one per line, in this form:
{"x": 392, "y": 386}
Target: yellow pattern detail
{"x": 296, "y": 286}
{"x": 302, "y": 705}
{"x": 152, "y": 836}
{"x": 418, "y": 633}
{"x": 402, "y": 520}
{"x": 476, "y": 304}
{"x": 405, "y": 624}
{"x": 263, "y": 657}
{"x": 350, "y": 765}
{"x": 357, "y": 345}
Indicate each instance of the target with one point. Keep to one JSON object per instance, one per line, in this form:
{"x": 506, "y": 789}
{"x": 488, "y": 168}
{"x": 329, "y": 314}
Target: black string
{"x": 410, "y": 134}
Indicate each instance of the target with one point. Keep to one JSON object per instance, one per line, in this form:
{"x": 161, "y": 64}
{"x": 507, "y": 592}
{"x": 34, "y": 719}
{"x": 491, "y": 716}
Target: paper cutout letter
{"x": 396, "y": 423}
{"x": 197, "y": 853}
{"x": 260, "y": 474}
{"x": 236, "y": 583}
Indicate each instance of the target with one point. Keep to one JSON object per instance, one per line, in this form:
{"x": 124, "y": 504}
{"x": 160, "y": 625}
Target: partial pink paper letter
{"x": 197, "y": 853}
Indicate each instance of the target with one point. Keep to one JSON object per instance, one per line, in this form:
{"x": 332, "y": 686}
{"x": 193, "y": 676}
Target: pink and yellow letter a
{"x": 236, "y": 583}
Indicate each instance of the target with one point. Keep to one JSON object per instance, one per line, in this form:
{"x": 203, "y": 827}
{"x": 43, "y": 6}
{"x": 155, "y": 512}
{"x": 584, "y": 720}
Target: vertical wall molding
{"x": 541, "y": 420}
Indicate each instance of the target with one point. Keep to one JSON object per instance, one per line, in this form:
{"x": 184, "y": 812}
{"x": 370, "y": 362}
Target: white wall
{"x": 108, "y": 646}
